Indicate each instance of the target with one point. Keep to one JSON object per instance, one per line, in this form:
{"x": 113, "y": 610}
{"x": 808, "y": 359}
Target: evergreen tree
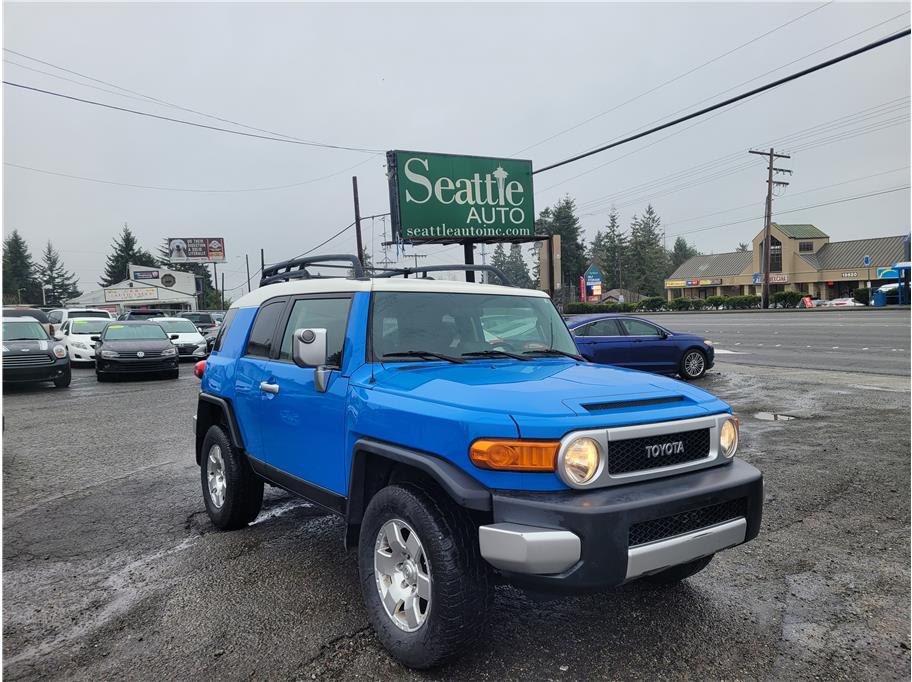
{"x": 609, "y": 252}
{"x": 59, "y": 285}
{"x": 20, "y": 281}
{"x": 499, "y": 258}
{"x": 743, "y": 246}
{"x": 126, "y": 251}
{"x": 680, "y": 254}
{"x": 515, "y": 267}
{"x": 562, "y": 220}
{"x": 647, "y": 258}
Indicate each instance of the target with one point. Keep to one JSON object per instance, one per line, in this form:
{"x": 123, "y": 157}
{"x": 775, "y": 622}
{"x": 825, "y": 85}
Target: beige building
{"x": 802, "y": 258}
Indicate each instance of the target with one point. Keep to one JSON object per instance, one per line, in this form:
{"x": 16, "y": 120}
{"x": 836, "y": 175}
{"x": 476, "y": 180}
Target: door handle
{"x": 269, "y": 388}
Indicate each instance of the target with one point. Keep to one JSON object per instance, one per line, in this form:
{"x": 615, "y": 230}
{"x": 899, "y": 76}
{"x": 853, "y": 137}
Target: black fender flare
{"x": 202, "y": 423}
{"x": 460, "y": 486}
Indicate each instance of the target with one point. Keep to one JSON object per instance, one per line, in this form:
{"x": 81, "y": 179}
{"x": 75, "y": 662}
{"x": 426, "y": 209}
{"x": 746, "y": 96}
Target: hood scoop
{"x": 627, "y": 404}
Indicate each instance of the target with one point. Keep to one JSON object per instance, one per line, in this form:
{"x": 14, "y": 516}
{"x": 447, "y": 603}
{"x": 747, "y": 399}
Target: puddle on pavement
{"x": 773, "y": 417}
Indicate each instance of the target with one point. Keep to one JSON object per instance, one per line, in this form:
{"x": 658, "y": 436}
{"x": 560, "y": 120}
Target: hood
{"x": 547, "y": 388}
{"x": 137, "y": 344}
{"x": 30, "y": 347}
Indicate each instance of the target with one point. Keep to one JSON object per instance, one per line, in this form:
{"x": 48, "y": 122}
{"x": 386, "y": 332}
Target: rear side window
{"x": 224, "y": 329}
{"x": 55, "y": 316}
{"x": 330, "y": 314}
{"x": 260, "y": 342}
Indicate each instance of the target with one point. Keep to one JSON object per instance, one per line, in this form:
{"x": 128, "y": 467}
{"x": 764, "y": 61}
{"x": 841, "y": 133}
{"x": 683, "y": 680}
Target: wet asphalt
{"x": 111, "y": 569}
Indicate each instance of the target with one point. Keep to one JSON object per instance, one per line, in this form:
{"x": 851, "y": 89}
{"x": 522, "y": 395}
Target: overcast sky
{"x": 482, "y": 79}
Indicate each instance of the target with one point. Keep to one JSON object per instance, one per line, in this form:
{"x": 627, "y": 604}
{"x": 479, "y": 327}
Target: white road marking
{"x": 835, "y": 347}
{"x": 722, "y": 351}
{"x": 777, "y": 345}
{"x": 865, "y": 348}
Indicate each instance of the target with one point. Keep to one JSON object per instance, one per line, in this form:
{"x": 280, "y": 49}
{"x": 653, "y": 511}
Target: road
{"x": 868, "y": 341}
{"x": 113, "y": 571}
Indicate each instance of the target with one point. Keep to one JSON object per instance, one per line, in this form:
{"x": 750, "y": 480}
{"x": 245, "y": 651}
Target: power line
{"x": 792, "y": 210}
{"x": 190, "y": 123}
{"x": 672, "y": 80}
{"x": 731, "y": 100}
{"x": 156, "y": 99}
{"x": 187, "y": 189}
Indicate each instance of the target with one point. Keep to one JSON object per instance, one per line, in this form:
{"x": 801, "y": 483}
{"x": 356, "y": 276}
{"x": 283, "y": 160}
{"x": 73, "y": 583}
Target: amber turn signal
{"x": 514, "y": 455}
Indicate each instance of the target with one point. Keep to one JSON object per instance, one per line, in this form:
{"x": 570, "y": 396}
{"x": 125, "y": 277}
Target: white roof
{"x": 23, "y": 318}
{"x": 337, "y": 285}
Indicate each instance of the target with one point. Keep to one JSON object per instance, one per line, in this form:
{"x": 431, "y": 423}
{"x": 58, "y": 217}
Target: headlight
{"x": 707, "y": 342}
{"x": 110, "y": 354}
{"x": 79, "y": 344}
{"x": 581, "y": 461}
{"x": 60, "y": 351}
{"x": 728, "y": 437}
{"x": 168, "y": 352}
{"x": 201, "y": 346}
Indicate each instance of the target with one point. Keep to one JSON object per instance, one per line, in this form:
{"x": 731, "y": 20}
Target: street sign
{"x": 593, "y": 283}
{"x": 196, "y": 249}
{"x": 867, "y": 261}
{"x": 887, "y": 273}
{"x": 448, "y": 196}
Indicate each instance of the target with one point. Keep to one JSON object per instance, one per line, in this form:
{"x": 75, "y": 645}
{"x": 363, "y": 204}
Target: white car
{"x": 76, "y": 334}
{"x": 190, "y": 343}
{"x": 845, "y": 303}
{"x": 58, "y": 316}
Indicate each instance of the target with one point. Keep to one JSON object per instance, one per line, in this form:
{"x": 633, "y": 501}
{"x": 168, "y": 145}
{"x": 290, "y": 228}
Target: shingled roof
{"x": 802, "y": 231}
{"x": 883, "y": 251}
{"x": 718, "y": 265}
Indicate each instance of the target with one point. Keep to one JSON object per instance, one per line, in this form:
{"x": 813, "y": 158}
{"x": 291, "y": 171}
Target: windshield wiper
{"x": 554, "y": 352}
{"x": 495, "y": 354}
{"x": 424, "y": 354}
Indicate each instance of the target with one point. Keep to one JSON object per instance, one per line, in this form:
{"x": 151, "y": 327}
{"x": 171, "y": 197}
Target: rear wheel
{"x": 232, "y": 492}
{"x": 676, "y": 574}
{"x": 426, "y": 588}
{"x": 693, "y": 365}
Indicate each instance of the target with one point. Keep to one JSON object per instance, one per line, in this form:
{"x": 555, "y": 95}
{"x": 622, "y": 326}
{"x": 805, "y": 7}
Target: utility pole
{"x": 357, "y": 219}
{"x": 247, "y": 261}
{"x": 262, "y": 261}
{"x": 768, "y": 217}
{"x": 416, "y": 256}
{"x": 223, "y": 291}
{"x": 215, "y": 279}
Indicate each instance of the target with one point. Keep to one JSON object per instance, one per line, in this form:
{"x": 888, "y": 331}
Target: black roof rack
{"x": 424, "y": 269}
{"x": 296, "y": 268}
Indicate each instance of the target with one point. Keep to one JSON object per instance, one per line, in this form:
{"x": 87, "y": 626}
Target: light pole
{"x": 19, "y": 294}
{"x": 44, "y": 288}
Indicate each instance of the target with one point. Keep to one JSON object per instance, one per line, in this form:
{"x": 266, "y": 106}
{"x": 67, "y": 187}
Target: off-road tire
{"x": 462, "y": 592}
{"x": 676, "y": 574}
{"x": 64, "y": 381}
{"x": 244, "y": 489}
{"x": 682, "y": 368}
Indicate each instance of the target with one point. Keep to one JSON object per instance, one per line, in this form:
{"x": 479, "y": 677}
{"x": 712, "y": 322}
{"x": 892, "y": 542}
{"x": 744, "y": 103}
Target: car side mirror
{"x": 309, "y": 350}
{"x": 96, "y": 338}
{"x": 663, "y": 333}
{"x": 174, "y": 337}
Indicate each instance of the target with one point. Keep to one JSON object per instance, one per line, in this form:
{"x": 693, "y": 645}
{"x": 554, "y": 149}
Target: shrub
{"x": 651, "y": 304}
{"x": 715, "y": 302}
{"x": 743, "y": 302}
{"x": 787, "y": 299}
{"x": 681, "y": 304}
{"x": 862, "y": 295}
{"x": 585, "y": 308}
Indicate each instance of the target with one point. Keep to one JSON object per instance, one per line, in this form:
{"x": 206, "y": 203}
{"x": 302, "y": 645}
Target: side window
{"x": 55, "y": 316}
{"x": 65, "y": 329}
{"x": 224, "y": 328}
{"x": 260, "y": 342}
{"x": 604, "y": 328}
{"x": 330, "y": 314}
{"x": 639, "y": 328}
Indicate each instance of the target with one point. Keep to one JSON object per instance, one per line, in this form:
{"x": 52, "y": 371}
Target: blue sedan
{"x": 633, "y": 342}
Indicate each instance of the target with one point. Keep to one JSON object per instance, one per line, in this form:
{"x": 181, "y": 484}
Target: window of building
{"x": 805, "y": 247}
{"x": 775, "y": 255}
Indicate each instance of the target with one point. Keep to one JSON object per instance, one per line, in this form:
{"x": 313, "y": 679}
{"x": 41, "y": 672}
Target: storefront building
{"x": 802, "y": 258}
{"x": 146, "y": 287}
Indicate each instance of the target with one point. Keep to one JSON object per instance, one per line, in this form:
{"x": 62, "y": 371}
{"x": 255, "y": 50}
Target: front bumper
{"x": 45, "y": 372}
{"x": 582, "y": 540}
{"x": 135, "y": 365}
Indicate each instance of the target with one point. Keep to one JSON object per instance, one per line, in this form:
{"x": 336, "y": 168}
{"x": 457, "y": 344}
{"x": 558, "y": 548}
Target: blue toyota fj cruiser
{"x": 464, "y": 441}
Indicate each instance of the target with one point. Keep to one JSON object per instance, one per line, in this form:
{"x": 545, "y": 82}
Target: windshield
{"x": 178, "y": 326}
{"x": 90, "y": 313}
{"x": 205, "y": 318}
{"x": 88, "y": 326}
{"x": 23, "y": 331}
{"x": 456, "y": 324}
{"x": 133, "y": 332}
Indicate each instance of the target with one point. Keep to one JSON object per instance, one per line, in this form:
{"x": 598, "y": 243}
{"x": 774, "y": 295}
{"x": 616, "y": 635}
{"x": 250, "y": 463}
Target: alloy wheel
{"x": 694, "y": 363}
{"x": 215, "y": 477}
{"x": 403, "y": 575}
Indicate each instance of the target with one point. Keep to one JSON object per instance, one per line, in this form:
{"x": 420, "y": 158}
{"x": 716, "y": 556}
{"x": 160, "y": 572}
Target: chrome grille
{"x": 36, "y": 360}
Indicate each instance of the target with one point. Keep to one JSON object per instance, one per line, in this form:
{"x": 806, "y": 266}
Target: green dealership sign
{"x": 448, "y": 197}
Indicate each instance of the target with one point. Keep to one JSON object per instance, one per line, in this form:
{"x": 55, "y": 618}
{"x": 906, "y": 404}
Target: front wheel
{"x": 693, "y": 365}
{"x": 426, "y": 588}
{"x": 64, "y": 380}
